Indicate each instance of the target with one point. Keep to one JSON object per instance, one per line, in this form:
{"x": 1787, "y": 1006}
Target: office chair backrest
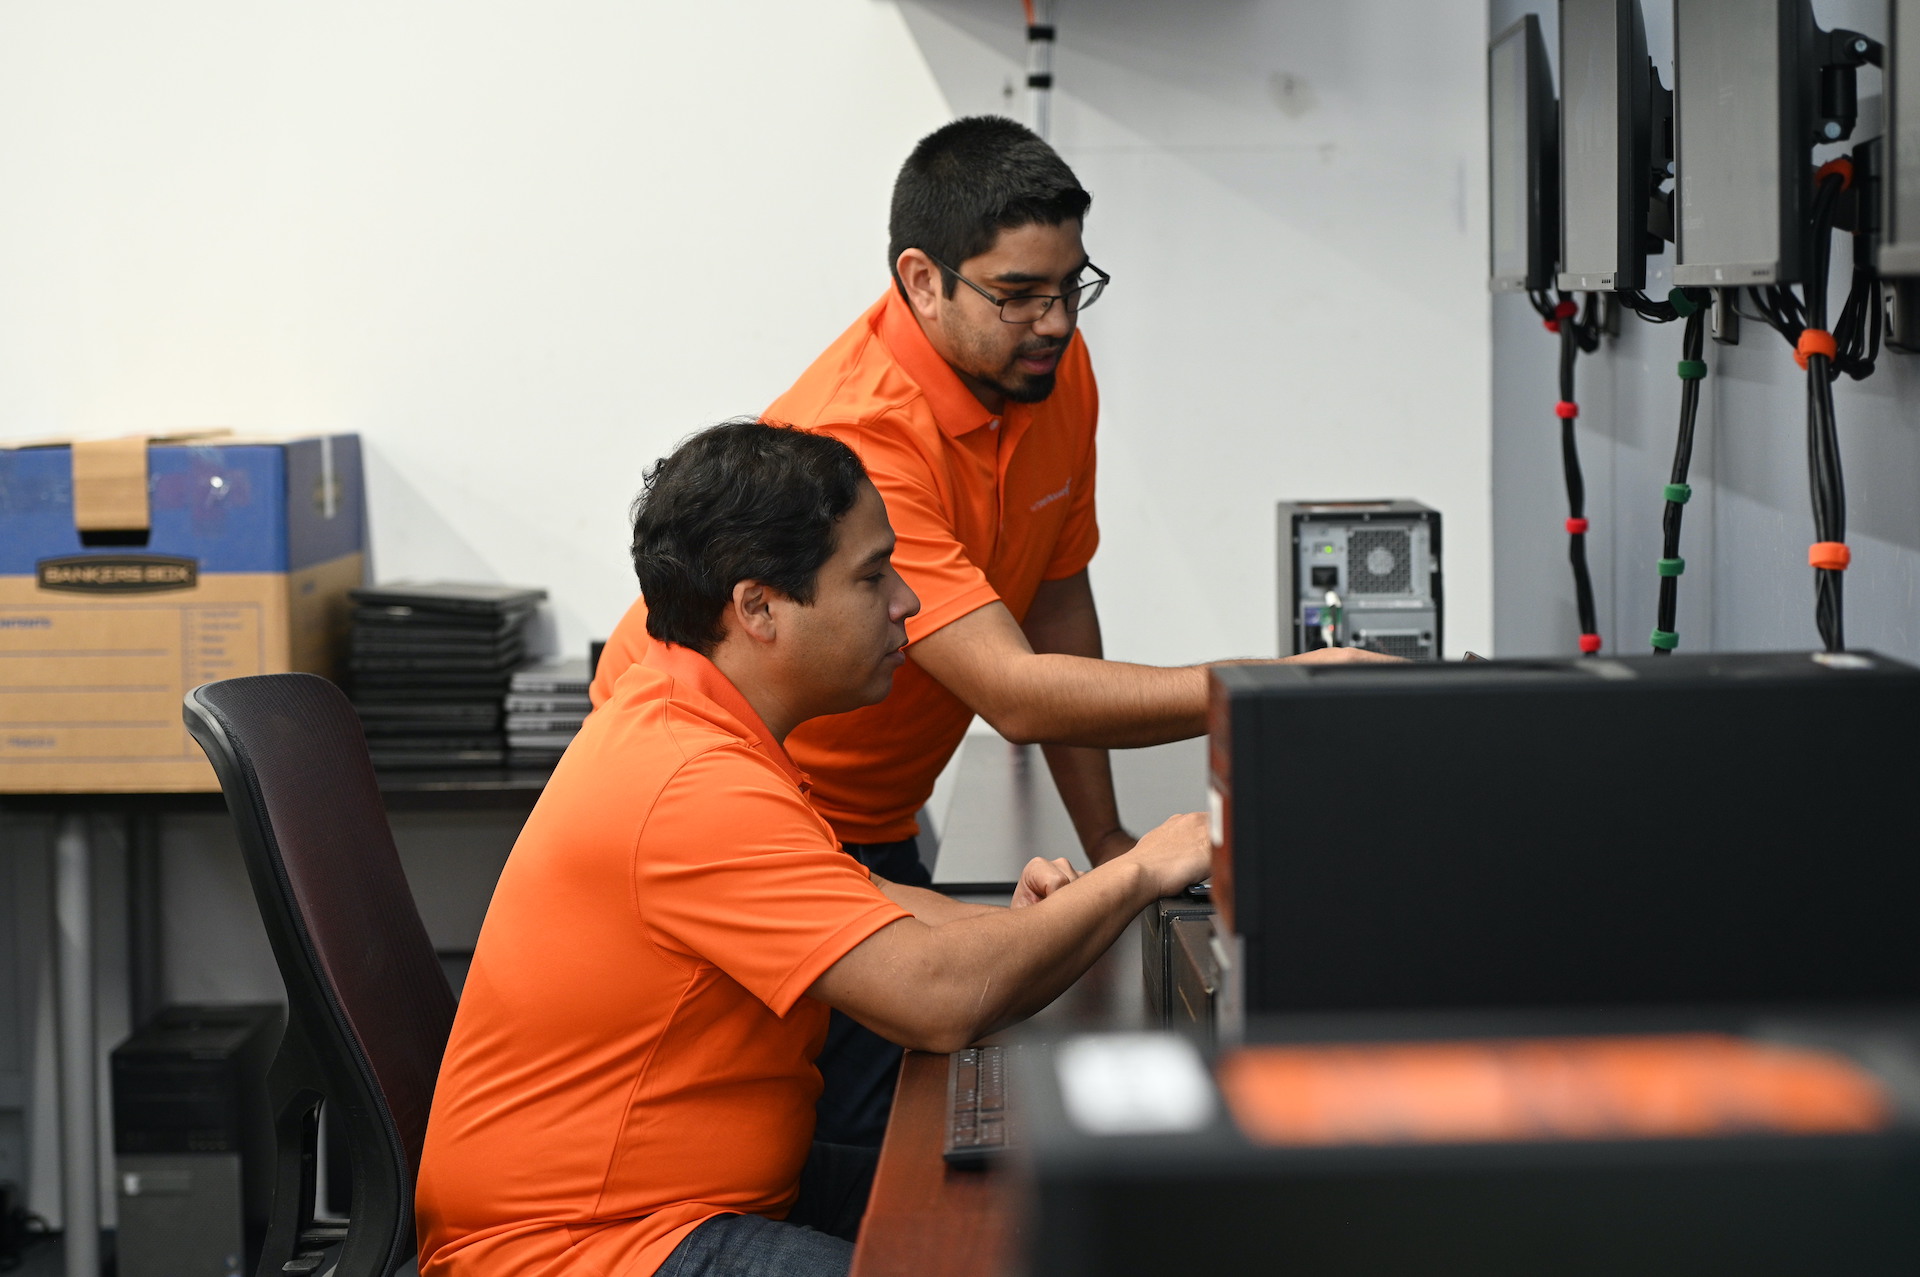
{"x": 369, "y": 1009}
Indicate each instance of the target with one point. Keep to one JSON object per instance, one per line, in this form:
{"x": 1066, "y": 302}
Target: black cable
{"x": 1693, "y": 367}
{"x": 1855, "y": 345}
{"x": 1578, "y": 332}
{"x": 1825, "y": 481}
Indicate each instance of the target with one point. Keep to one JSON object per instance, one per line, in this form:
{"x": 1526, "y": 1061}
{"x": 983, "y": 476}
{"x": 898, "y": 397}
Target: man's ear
{"x": 922, "y": 280}
{"x": 750, "y": 611}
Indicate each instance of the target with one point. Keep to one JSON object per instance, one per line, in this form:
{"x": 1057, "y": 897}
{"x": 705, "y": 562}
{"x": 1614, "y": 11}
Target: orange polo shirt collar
{"x": 690, "y": 669}
{"x": 955, "y": 408}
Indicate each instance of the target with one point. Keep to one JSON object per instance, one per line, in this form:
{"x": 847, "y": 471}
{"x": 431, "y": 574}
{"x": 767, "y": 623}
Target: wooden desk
{"x": 924, "y": 1219}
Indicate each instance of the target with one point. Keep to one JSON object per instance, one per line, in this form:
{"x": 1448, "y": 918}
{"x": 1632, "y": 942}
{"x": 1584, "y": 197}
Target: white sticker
{"x": 1843, "y": 661}
{"x": 1134, "y": 1084}
{"x": 1216, "y": 816}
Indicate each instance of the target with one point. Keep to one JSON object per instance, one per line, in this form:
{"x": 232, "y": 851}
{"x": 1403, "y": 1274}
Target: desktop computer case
{"x": 193, "y": 1140}
{"x": 1564, "y": 833}
{"x": 1209, "y": 1198}
{"x": 1381, "y": 557}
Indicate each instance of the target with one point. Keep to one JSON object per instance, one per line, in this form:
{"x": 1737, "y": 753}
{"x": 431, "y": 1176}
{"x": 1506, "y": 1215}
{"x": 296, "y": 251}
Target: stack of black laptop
{"x": 428, "y": 666}
{"x": 546, "y": 703}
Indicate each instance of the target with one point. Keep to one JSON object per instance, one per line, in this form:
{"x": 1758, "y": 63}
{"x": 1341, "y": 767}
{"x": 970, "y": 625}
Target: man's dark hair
{"x": 968, "y": 181}
{"x": 740, "y": 501}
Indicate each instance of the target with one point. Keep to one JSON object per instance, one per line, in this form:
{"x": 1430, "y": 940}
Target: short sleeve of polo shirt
{"x": 734, "y": 869}
{"x": 927, "y": 551}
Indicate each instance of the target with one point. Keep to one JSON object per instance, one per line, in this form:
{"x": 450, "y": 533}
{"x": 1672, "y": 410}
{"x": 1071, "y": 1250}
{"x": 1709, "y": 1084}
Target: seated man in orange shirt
{"x": 629, "y": 1087}
{"x": 968, "y": 392}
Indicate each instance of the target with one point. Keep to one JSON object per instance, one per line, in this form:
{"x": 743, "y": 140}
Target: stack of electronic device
{"x": 545, "y": 705}
{"x": 428, "y": 666}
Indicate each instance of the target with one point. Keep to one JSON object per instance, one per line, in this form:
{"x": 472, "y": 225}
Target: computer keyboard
{"x": 978, "y": 1129}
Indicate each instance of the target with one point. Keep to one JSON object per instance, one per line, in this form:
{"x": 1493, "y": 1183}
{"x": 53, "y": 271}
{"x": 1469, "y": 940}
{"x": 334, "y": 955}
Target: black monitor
{"x": 1742, "y": 151}
{"x": 1730, "y": 828}
{"x": 1523, "y": 173}
{"x": 1607, "y": 144}
{"x": 1900, "y": 245}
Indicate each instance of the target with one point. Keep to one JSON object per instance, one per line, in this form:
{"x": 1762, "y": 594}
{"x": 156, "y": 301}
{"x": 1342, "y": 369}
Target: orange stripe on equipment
{"x": 1814, "y": 341}
{"x": 1831, "y": 555}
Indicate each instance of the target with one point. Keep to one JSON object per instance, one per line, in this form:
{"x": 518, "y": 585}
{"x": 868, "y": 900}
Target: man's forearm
{"x": 1063, "y": 618}
{"x": 931, "y": 907}
{"x": 1000, "y": 967}
{"x": 1072, "y": 700}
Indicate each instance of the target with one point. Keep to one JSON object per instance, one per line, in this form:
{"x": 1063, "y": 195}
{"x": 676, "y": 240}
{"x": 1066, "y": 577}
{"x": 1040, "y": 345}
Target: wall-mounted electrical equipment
{"x": 1524, "y": 174}
{"x": 1900, "y": 180}
{"x": 1616, "y": 128}
{"x": 1756, "y": 87}
{"x": 1740, "y": 112}
{"x": 1360, "y": 574}
{"x": 1900, "y": 220}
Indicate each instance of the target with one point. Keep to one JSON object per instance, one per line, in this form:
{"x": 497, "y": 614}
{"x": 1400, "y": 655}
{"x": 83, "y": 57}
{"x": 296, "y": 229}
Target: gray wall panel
{"x": 1747, "y": 586}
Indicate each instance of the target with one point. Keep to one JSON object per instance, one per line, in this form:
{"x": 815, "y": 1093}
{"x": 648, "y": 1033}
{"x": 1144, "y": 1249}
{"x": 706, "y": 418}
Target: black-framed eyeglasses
{"x": 1031, "y": 308}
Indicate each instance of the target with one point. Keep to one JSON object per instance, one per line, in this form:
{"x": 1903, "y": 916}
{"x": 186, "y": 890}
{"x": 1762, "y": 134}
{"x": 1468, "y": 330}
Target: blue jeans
{"x": 815, "y": 1239}
{"x": 858, "y": 1067}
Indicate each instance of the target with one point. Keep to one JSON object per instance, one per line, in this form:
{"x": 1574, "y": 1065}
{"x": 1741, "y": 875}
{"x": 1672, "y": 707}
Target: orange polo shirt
{"x": 985, "y": 509}
{"x": 634, "y": 1048}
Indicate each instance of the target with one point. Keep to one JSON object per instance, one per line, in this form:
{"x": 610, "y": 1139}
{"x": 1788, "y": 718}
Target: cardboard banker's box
{"x": 133, "y": 570}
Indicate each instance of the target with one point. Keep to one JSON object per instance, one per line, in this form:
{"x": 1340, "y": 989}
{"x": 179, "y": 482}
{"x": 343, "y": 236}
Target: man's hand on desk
{"x": 1040, "y": 879}
{"x": 1177, "y": 854}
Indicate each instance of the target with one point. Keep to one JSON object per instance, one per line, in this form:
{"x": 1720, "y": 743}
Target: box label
{"x": 117, "y": 573}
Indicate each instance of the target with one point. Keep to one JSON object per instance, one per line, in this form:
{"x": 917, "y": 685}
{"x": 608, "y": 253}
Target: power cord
{"x": 1678, "y": 492}
{"x": 1579, "y": 331}
{"x": 1851, "y": 348}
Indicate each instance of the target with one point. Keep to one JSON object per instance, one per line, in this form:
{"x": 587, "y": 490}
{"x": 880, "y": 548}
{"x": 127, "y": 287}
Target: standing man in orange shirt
{"x": 629, "y": 1084}
{"x": 967, "y": 391}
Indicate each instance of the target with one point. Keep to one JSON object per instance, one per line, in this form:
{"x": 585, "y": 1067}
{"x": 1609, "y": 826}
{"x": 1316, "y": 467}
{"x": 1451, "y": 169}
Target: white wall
{"x": 1290, "y": 195}
{"x": 523, "y": 249}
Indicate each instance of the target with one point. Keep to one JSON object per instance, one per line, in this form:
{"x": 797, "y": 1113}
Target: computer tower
{"x": 193, "y": 1140}
{"x": 1513, "y": 1144}
{"x": 1363, "y": 573}
{"x": 1731, "y": 828}
{"x": 1159, "y": 949}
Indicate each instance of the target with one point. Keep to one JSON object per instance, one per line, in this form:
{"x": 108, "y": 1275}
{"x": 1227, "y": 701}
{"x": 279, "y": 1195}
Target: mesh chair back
{"x": 369, "y": 1009}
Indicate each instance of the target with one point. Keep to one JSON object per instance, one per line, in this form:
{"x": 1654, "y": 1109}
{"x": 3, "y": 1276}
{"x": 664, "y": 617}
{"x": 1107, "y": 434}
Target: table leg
{"x": 79, "y": 1147}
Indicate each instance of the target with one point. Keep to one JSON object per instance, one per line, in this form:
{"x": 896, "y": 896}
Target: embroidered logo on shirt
{"x": 1051, "y": 497}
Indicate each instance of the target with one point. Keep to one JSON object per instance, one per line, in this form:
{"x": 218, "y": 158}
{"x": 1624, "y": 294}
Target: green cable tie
{"x": 1692, "y": 369}
{"x": 1672, "y": 567}
{"x": 1682, "y": 304}
{"x": 1678, "y": 493}
{"x": 1665, "y": 640}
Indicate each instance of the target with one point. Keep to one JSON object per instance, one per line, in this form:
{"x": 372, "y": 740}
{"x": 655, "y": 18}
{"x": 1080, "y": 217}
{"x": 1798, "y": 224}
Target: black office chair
{"x": 369, "y": 1009}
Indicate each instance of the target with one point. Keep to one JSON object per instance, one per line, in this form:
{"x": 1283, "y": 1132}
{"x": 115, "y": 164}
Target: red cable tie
{"x": 1576, "y": 527}
{"x": 1565, "y": 310}
{"x": 1589, "y": 644}
{"x": 1551, "y": 325}
{"x": 1831, "y": 555}
{"x": 1814, "y": 341}
{"x": 1566, "y": 409}
{"x": 1841, "y": 165}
